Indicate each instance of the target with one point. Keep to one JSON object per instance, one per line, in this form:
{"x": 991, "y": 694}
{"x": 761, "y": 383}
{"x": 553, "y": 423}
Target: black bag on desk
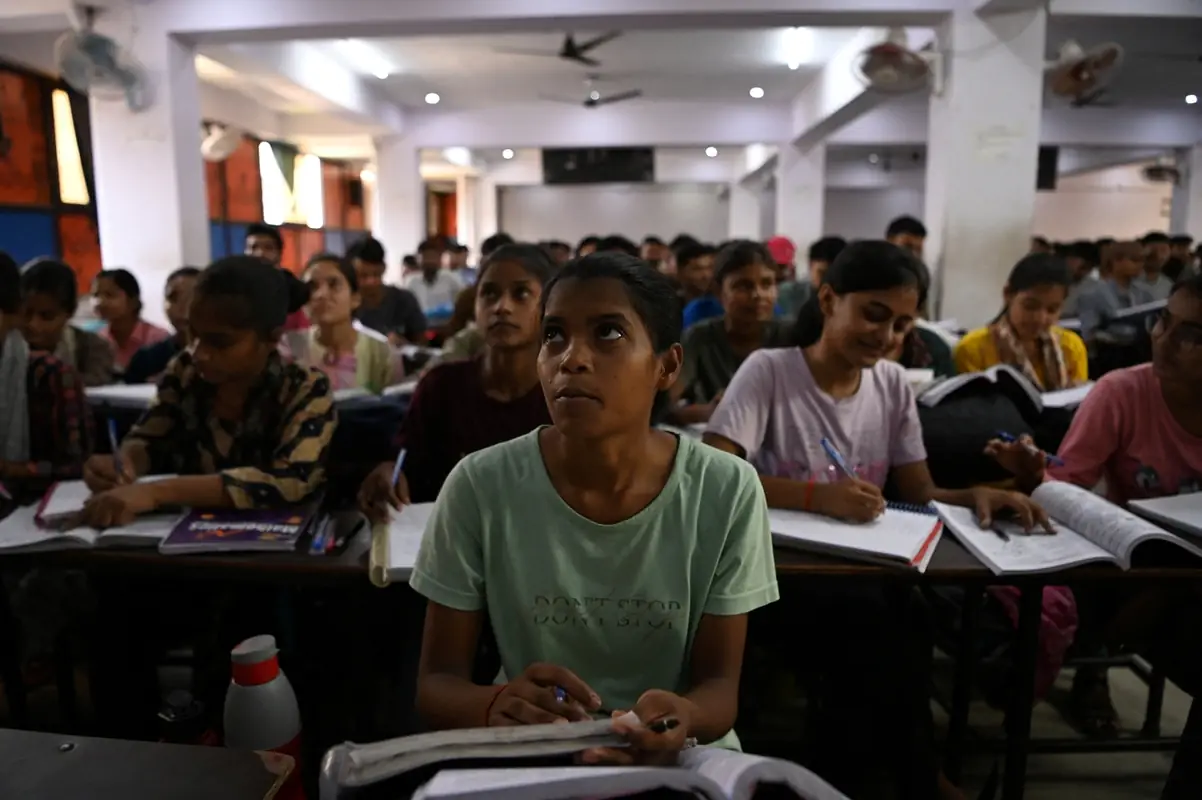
{"x": 956, "y": 431}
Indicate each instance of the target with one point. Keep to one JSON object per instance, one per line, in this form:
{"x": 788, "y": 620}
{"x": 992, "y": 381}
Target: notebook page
{"x": 736, "y": 773}
{"x": 21, "y": 530}
{"x": 68, "y": 497}
{"x": 545, "y": 783}
{"x": 149, "y": 529}
{"x": 405, "y": 531}
{"x": 1067, "y": 398}
{"x": 1023, "y": 552}
{"x": 899, "y": 535}
{"x": 1114, "y": 529}
{"x": 1182, "y": 511}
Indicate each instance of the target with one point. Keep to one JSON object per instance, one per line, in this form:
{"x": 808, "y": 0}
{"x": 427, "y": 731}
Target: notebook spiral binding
{"x": 913, "y": 508}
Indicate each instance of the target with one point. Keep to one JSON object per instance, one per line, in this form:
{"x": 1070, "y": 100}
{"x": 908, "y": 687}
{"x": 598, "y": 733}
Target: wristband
{"x": 493, "y": 702}
{"x": 807, "y": 499}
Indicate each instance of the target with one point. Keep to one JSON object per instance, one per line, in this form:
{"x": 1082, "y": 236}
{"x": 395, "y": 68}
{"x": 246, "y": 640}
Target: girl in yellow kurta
{"x": 1025, "y": 334}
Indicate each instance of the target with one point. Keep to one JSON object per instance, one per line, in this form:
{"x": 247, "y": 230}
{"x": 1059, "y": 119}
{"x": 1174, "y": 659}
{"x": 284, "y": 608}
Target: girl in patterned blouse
{"x": 239, "y": 426}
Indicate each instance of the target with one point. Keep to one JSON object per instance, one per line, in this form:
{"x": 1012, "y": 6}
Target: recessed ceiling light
{"x": 712, "y": 152}
{"x": 432, "y": 98}
{"x": 594, "y": 95}
{"x": 798, "y": 47}
{"x": 873, "y": 158}
{"x": 506, "y": 154}
{"x": 1190, "y": 99}
{"x": 756, "y": 92}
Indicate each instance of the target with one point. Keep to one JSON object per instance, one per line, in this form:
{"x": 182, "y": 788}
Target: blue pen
{"x": 1010, "y": 438}
{"x": 116, "y": 445}
{"x": 396, "y": 469}
{"x": 837, "y": 459}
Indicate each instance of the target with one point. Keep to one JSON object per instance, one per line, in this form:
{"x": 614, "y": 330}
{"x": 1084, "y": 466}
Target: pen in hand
{"x": 115, "y": 443}
{"x": 1009, "y": 438}
{"x": 837, "y": 459}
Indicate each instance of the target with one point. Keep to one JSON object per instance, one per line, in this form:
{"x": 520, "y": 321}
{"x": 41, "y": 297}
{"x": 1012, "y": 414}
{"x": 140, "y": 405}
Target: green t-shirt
{"x": 710, "y": 362}
{"x": 616, "y": 604}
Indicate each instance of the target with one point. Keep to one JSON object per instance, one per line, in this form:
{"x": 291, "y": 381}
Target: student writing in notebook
{"x": 617, "y": 562}
{"x": 838, "y": 384}
{"x": 465, "y": 406}
{"x": 1025, "y": 335}
{"x": 351, "y": 355}
{"x": 240, "y": 426}
{"x": 1140, "y": 432}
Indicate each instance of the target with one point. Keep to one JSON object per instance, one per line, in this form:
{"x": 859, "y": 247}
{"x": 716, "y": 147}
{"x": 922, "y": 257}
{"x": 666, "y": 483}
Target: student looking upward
{"x": 464, "y": 406}
{"x": 49, "y": 301}
{"x": 546, "y": 521}
{"x": 150, "y": 361}
{"x": 1025, "y": 335}
{"x": 350, "y": 355}
{"x": 117, "y": 299}
{"x": 242, "y": 428}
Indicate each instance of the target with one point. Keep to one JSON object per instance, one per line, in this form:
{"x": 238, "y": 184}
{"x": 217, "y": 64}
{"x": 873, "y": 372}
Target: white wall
{"x": 569, "y": 213}
{"x": 1114, "y": 202}
{"x": 865, "y": 213}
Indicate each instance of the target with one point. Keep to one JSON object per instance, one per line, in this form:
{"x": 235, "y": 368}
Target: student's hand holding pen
{"x": 850, "y": 499}
{"x": 378, "y": 492}
{"x": 102, "y": 473}
{"x": 1021, "y": 458}
{"x": 656, "y": 737}
{"x": 118, "y": 506}
{"x": 543, "y": 693}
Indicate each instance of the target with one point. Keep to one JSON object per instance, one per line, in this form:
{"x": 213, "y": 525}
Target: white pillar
{"x": 399, "y": 217}
{"x": 800, "y": 193}
{"x": 1187, "y": 195}
{"x": 467, "y": 209}
{"x": 744, "y": 212}
{"x": 982, "y": 157}
{"x": 152, "y": 213}
{"x": 487, "y": 213}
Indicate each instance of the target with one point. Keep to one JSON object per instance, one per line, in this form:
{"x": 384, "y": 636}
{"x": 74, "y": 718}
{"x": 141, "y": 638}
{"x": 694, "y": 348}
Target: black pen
{"x": 664, "y": 724}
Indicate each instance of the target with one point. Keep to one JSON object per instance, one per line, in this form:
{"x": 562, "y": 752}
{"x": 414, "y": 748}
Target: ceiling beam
{"x": 311, "y": 69}
{"x": 1180, "y": 9}
{"x": 637, "y": 123}
{"x": 266, "y": 20}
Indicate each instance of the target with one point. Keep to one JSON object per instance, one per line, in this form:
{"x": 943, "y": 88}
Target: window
{"x": 72, "y": 186}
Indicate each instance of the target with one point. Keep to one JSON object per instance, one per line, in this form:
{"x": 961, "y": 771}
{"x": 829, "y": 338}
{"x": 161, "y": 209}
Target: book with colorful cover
{"x": 259, "y": 530}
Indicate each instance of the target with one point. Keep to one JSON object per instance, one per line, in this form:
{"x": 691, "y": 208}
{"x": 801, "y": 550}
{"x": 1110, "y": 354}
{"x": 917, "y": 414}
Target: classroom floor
{"x": 1111, "y": 776}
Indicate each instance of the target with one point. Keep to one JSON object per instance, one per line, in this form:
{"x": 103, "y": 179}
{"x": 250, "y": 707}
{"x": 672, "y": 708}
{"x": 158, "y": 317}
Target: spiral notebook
{"x": 904, "y": 536}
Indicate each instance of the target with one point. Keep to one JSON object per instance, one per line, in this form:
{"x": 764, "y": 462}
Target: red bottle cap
{"x": 255, "y": 661}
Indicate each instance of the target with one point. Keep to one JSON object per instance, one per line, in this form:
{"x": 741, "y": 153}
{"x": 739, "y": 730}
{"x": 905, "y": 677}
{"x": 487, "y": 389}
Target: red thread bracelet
{"x": 493, "y": 702}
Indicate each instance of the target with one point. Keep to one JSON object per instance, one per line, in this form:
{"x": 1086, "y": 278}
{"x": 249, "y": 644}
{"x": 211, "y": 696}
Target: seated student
{"x": 45, "y": 431}
{"x": 49, "y": 301}
{"x": 434, "y": 287}
{"x": 714, "y": 349}
{"x": 1139, "y": 431}
{"x": 1157, "y": 252}
{"x": 350, "y": 355}
{"x": 550, "y": 520}
{"x": 385, "y": 309}
{"x": 1025, "y": 334}
{"x": 150, "y": 361}
{"x": 1117, "y": 290}
{"x": 820, "y": 256}
{"x": 791, "y": 288}
{"x": 1083, "y": 258}
{"x": 465, "y": 406}
{"x": 587, "y": 245}
{"x": 837, "y": 385}
{"x": 242, "y": 428}
{"x": 694, "y": 270}
{"x": 117, "y": 299}
{"x": 264, "y": 241}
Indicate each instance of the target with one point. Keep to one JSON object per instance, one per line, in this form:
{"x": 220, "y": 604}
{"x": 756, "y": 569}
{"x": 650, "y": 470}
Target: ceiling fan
{"x": 593, "y": 97}
{"x": 570, "y": 50}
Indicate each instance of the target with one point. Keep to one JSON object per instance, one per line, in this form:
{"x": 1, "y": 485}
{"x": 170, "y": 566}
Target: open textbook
{"x": 1180, "y": 511}
{"x": 21, "y": 533}
{"x": 1012, "y": 382}
{"x": 1089, "y": 529}
{"x": 707, "y": 772}
{"x": 394, "y": 544}
{"x": 904, "y": 536}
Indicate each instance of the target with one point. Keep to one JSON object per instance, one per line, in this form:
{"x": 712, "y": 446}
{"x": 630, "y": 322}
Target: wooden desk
{"x": 44, "y": 766}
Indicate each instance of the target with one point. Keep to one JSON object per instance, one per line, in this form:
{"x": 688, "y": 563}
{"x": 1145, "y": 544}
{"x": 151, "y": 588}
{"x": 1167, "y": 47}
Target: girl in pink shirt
{"x": 117, "y": 299}
{"x": 1140, "y": 431}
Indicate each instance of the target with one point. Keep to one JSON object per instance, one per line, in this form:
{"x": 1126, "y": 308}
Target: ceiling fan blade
{"x": 517, "y": 51}
{"x": 619, "y": 97}
{"x": 581, "y": 59}
{"x": 553, "y": 99}
{"x": 584, "y": 47}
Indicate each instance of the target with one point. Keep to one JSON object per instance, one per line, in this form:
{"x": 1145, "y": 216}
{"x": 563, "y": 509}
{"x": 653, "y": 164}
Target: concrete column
{"x": 1187, "y": 195}
{"x": 982, "y": 157}
{"x": 399, "y": 215}
{"x": 744, "y": 211}
{"x": 150, "y": 197}
{"x": 800, "y": 193}
{"x": 467, "y": 211}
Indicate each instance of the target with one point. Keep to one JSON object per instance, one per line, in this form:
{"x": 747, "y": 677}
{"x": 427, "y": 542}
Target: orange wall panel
{"x": 24, "y": 175}
{"x": 214, "y": 189}
{"x": 81, "y": 247}
{"x": 291, "y": 258}
{"x": 244, "y": 190}
{"x": 333, "y": 192}
{"x": 311, "y": 242}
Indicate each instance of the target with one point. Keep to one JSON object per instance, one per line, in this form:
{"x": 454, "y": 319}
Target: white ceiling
{"x": 706, "y": 65}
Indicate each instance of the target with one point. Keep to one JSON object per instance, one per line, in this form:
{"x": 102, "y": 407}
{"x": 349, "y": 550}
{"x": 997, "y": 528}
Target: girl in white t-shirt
{"x": 838, "y": 384}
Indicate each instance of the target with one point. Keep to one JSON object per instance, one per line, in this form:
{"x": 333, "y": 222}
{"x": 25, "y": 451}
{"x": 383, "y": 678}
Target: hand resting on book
{"x": 542, "y": 694}
{"x": 657, "y": 731}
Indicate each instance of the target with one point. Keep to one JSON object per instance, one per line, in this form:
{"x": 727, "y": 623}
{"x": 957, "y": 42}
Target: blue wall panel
{"x": 217, "y": 242}
{"x": 25, "y": 235}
